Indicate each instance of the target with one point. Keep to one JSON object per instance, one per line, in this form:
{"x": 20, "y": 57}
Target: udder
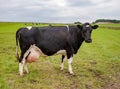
{"x": 33, "y": 56}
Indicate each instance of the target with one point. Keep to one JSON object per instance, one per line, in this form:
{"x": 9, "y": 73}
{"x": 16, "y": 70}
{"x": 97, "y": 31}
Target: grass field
{"x": 96, "y": 65}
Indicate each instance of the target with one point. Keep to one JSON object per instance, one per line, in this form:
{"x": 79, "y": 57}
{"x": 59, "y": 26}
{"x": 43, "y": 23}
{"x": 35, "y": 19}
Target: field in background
{"x": 96, "y": 65}
{"x": 110, "y": 26}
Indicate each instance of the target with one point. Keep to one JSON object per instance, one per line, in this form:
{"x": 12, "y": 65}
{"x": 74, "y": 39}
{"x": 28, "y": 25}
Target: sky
{"x": 58, "y": 11}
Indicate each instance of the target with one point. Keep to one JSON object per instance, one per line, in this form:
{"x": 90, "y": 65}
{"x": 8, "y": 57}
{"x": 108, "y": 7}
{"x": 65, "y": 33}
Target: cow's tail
{"x": 17, "y": 38}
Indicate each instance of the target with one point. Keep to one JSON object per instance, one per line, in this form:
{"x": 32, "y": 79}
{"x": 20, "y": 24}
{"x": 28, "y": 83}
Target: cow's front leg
{"x": 70, "y": 65}
{"x": 62, "y": 63}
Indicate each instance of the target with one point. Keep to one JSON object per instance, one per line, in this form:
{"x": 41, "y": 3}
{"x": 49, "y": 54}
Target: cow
{"x": 51, "y": 40}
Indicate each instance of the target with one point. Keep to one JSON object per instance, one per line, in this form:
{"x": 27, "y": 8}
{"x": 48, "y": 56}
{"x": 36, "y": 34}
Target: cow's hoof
{"x": 61, "y": 68}
{"x": 71, "y": 73}
{"x": 26, "y": 72}
{"x": 20, "y": 75}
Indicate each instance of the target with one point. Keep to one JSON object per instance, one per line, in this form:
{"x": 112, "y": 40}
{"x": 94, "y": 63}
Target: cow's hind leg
{"x": 25, "y": 68}
{"x": 21, "y": 66}
{"x": 62, "y": 62}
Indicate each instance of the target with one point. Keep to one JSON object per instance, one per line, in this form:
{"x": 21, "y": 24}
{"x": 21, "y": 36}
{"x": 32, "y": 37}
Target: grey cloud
{"x": 79, "y": 3}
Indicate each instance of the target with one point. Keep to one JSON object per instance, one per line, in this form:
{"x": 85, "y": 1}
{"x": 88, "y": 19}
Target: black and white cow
{"x": 51, "y": 40}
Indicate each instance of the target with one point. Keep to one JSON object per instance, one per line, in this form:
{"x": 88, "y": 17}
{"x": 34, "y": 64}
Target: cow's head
{"x": 86, "y": 30}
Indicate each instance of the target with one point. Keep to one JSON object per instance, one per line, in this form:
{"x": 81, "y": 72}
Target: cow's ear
{"x": 79, "y": 26}
{"x": 95, "y": 26}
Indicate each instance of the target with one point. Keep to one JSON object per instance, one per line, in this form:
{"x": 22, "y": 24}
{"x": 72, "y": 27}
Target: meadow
{"x": 96, "y": 65}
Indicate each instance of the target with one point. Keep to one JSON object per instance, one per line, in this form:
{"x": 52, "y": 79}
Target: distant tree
{"x": 77, "y": 22}
{"x": 50, "y": 24}
{"x": 107, "y": 20}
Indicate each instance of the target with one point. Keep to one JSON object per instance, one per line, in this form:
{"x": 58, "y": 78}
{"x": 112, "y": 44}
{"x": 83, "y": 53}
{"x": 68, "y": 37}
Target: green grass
{"x": 96, "y": 65}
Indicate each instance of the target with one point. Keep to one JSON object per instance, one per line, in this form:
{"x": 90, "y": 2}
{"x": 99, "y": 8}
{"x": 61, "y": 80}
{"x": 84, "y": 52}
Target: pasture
{"x": 96, "y": 65}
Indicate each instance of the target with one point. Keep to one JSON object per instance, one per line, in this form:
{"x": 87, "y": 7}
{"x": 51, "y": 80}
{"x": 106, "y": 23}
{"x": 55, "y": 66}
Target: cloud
{"x": 58, "y": 10}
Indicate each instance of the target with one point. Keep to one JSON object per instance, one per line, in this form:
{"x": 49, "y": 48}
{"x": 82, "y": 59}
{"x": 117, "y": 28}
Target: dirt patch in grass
{"x": 115, "y": 85}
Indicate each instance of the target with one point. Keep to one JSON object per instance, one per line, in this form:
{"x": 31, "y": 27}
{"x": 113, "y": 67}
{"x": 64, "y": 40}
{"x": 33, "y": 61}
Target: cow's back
{"x": 48, "y": 39}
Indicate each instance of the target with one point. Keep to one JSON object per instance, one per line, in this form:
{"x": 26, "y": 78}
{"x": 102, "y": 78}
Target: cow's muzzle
{"x": 88, "y": 41}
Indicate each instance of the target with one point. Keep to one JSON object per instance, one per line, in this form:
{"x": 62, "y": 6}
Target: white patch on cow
{"x": 69, "y": 65}
{"x": 67, "y": 28}
{"x": 62, "y": 52}
{"x": 29, "y": 27}
{"x": 87, "y": 25}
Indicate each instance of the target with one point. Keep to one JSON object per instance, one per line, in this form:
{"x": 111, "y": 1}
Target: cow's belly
{"x": 33, "y": 53}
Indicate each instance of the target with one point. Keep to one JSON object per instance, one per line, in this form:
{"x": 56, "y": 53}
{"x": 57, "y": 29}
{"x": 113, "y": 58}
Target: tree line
{"x": 107, "y": 20}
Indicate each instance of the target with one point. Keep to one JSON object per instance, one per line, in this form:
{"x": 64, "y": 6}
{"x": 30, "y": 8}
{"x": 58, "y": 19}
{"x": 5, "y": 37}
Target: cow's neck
{"x": 80, "y": 40}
